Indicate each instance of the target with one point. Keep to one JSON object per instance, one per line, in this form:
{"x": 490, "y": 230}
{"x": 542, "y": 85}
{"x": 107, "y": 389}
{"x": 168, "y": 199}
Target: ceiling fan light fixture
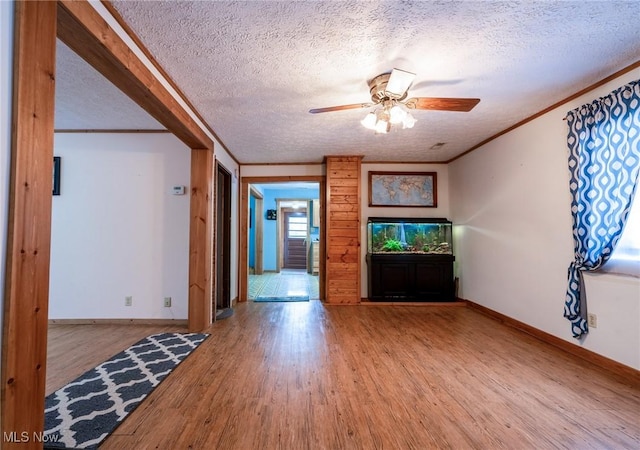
{"x": 369, "y": 121}
{"x": 399, "y": 82}
{"x": 397, "y": 114}
{"x": 409, "y": 121}
{"x": 382, "y": 127}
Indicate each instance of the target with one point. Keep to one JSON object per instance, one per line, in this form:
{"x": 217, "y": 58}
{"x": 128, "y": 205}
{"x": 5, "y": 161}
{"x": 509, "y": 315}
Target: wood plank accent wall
{"x": 342, "y": 213}
{"x": 26, "y": 296}
{"x": 200, "y": 240}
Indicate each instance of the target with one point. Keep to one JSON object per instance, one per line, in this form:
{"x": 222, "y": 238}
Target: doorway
{"x": 294, "y": 240}
{"x": 222, "y": 283}
{"x": 291, "y": 228}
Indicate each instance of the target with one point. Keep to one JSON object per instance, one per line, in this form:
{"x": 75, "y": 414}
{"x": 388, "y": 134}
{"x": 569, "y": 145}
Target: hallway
{"x": 284, "y": 284}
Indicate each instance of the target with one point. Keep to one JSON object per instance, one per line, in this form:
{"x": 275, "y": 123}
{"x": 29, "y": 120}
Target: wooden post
{"x": 342, "y": 215}
{"x": 243, "y": 269}
{"x": 26, "y": 295}
{"x": 200, "y": 240}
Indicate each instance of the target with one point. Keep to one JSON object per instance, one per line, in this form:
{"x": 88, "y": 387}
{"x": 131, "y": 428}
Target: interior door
{"x": 295, "y": 235}
{"x": 222, "y": 284}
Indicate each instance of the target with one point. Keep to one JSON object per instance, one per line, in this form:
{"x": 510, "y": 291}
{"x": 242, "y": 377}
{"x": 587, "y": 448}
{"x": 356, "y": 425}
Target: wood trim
{"x": 256, "y": 193}
{"x": 626, "y": 372}
{"x": 134, "y": 37}
{"x": 259, "y": 269}
{"x": 243, "y": 260}
{"x": 26, "y": 295}
{"x": 83, "y": 30}
{"x": 201, "y": 240}
{"x": 611, "y": 77}
{"x": 258, "y": 230}
{"x": 284, "y": 164}
{"x": 177, "y": 322}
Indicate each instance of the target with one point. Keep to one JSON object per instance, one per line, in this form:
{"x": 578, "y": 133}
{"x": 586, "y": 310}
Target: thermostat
{"x": 178, "y": 190}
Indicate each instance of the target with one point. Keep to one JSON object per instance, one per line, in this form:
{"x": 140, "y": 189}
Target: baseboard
{"x": 176, "y": 322}
{"x": 624, "y": 371}
{"x": 367, "y": 302}
{"x": 234, "y": 302}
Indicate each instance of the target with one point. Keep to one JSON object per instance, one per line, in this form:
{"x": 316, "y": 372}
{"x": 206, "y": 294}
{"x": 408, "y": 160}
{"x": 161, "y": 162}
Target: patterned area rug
{"x": 224, "y": 313}
{"x": 84, "y": 412}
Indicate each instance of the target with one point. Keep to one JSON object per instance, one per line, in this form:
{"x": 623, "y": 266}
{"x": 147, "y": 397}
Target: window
{"x": 626, "y": 257}
{"x": 297, "y": 227}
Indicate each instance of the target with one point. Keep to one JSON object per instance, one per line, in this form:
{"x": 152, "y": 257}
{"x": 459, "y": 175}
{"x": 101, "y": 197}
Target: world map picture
{"x": 402, "y": 189}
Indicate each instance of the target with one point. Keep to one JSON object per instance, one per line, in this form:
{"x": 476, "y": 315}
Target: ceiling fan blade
{"x": 442, "y": 104}
{"x": 340, "y": 108}
{"x": 398, "y": 83}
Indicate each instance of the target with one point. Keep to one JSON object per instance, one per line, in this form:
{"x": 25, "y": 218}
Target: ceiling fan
{"x": 390, "y": 91}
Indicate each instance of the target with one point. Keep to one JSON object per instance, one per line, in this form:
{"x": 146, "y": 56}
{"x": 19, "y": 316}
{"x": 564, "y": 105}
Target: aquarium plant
{"x": 392, "y": 245}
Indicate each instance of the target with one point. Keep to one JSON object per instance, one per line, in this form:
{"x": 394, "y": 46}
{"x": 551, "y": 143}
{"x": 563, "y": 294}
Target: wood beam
{"x": 200, "y": 240}
{"x": 90, "y": 36}
{"x": 343, "y": 261}
{"x": 26, "y": 296}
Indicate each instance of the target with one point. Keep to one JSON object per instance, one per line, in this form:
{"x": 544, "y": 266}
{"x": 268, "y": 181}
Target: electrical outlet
{"x": 167, "y": 302}
{"x": 128, "y": 301}
{"x": 592, "y": 320}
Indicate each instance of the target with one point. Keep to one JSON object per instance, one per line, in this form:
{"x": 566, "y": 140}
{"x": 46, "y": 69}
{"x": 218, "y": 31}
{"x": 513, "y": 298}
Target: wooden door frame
{"x": 243, "y": 267}
{"x": 258, "y": 230}
{"x": 26, "y": 293}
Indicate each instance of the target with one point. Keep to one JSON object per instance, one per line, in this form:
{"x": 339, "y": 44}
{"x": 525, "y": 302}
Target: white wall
{"x": 284, "y": 170}
{"x": 117, "y": 230}
{"x": 511, "y": 206}
{"x": 6, "y": 70}
{"x": 442, "y": 210}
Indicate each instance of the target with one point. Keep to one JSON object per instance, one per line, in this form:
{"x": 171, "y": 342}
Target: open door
{"x": 223, "y": 239}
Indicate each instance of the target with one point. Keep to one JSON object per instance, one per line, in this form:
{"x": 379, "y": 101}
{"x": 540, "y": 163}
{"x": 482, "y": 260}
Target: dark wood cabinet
{"x": 411, "y": 277}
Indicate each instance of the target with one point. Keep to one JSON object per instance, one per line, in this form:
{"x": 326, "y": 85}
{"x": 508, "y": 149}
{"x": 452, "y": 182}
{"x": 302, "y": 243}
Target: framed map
{"x": 413, "y": 189}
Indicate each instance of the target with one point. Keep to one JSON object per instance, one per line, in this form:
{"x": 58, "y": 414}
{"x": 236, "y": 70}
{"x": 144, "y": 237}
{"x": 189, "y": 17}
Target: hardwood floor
{"x": 74, "y": 349}
{"x": 311, "y": 376}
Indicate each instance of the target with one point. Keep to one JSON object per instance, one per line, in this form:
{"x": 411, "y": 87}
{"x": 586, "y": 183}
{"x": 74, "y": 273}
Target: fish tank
{"x": 409, "y": 235}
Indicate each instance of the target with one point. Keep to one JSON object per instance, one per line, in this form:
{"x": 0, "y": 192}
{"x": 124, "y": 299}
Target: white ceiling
{"x": 253, "y": 69}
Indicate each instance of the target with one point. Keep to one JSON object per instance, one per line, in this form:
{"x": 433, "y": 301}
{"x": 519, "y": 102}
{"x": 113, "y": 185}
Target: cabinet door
{"x": 434, "y": 281}
{"x": 393, "y": 280}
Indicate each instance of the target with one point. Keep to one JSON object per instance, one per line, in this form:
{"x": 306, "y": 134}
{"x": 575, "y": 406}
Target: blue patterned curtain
{"x": 604, "y": 161}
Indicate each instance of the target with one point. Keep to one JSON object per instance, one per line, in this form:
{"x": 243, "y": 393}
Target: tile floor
{"x": 287, "y": 283}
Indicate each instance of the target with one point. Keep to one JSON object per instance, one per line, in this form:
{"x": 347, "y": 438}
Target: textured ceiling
{"x": 254, "y": 69}
{"x": 87, "y": 100}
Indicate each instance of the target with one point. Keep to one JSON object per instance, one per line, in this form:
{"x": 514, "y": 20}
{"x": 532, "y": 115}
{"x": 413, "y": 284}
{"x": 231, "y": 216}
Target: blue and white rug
{"x": 84, "y": 412}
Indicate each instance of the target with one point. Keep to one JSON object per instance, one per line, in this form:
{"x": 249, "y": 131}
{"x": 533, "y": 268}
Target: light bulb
{"x": 397, "y": 114}
{"x": 409, "y": 121}
{"x": 369, "y": 121}
{"x": 382, "y": 126}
